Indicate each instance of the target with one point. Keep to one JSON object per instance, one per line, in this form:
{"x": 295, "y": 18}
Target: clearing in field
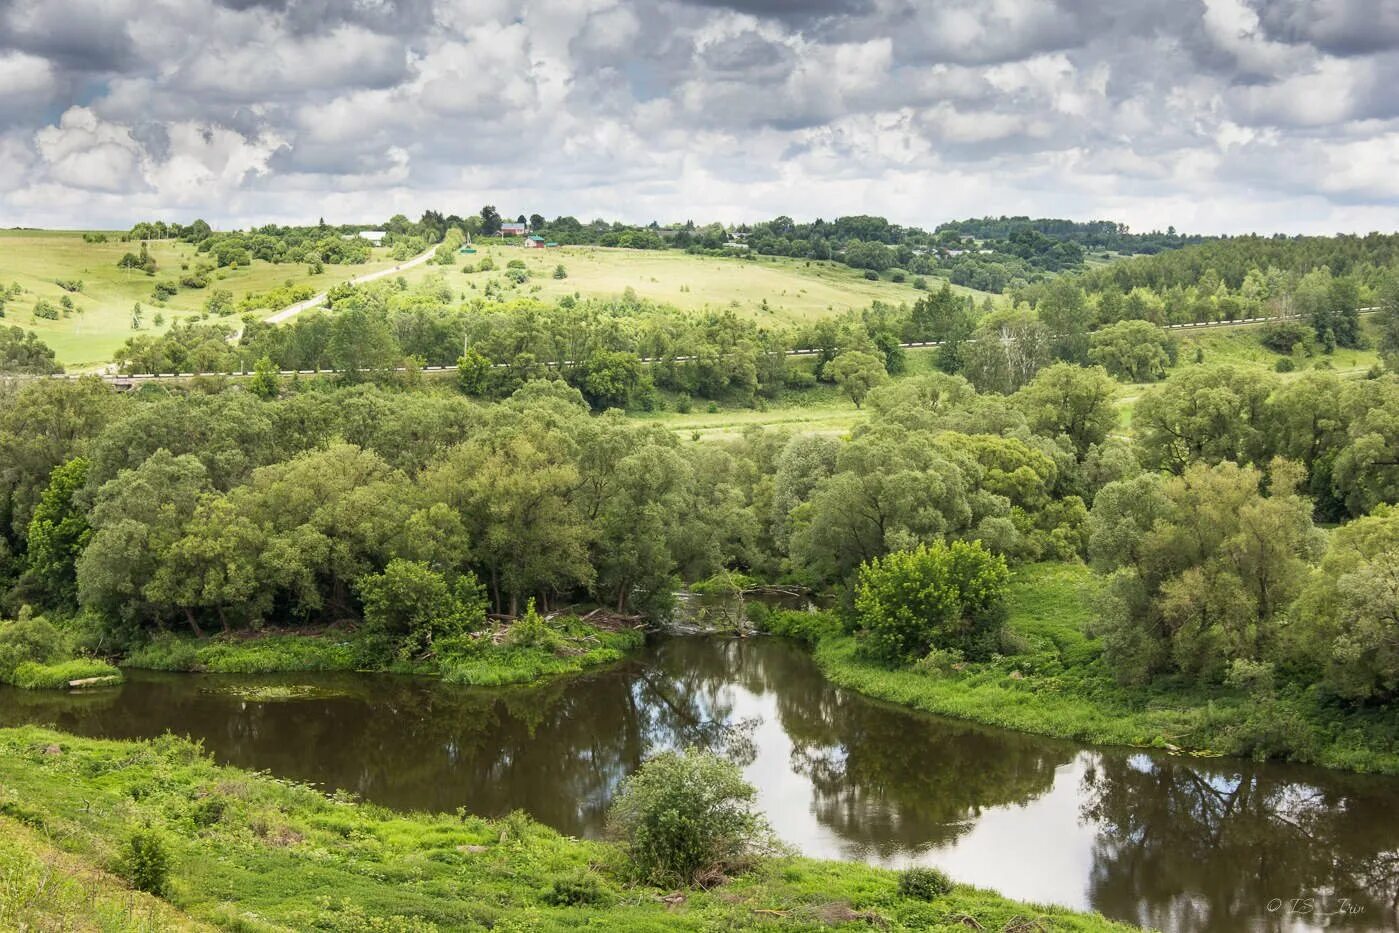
{"x": 775, "y": 289}
{"x": 101, "y": 318}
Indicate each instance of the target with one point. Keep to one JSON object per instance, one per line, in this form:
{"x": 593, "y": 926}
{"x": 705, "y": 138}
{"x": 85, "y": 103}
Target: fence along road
{"x": 127, "y": 381}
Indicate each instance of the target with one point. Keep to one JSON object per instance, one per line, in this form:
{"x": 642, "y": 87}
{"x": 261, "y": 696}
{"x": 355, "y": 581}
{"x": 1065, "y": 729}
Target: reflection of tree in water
{"x": 884, "y": 779}
{"x": 1205, "y": 848}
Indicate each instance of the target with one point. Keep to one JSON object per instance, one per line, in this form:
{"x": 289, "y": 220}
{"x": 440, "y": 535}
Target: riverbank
{"x": 1058, "y": 685}
{"x": 250, "y": 852}
{"x": 567, "y": 646}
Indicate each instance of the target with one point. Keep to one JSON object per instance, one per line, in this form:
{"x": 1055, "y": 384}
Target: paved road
{"x": 316, "y": 301}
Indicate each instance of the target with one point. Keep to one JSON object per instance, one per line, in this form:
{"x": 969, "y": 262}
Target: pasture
{"x": 101, "y": 319}
{"x": 768, "y": 289}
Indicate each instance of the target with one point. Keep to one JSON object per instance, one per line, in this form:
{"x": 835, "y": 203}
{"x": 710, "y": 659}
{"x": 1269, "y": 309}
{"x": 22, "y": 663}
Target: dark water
{"x": 1176, "y": 844}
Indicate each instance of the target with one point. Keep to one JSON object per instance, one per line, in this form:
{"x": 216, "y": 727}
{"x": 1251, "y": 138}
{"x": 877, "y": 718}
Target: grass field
{"x": 766, "y": 288}
{"x": 101, "y": 320}
{"x": 251, "y": 853}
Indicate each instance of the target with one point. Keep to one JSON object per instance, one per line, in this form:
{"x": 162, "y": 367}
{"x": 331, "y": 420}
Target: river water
{"x": 1170, "y": 843}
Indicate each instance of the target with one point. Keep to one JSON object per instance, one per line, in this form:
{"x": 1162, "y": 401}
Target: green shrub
{"x": 577, "y": 891}
{"x": 34, "y": 676}
{"x": 937, "y": 596}
{"x": 145, "y": 862}
{"x": 687, "y": 814}
{"x": 810, "y": 628}
{"x": 28, "y": 640}
{"x": 924, "y": 884}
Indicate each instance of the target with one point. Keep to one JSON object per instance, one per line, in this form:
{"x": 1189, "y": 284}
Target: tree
{"x": 1204, "y": 414}
{"x": 536, "y": 222}
{"x": 1065, "y": 312}
{"x": 609, "y": 379}
{"x": 410, "y": 606}
{"x": 1201, "y": 567}
{"x": 1136, "y": 351}
{"x": 490, "y": 220}
{"x": 892, "y": 490}
{"x": 23, "y": 352}
{"x": 266, "y": 382}
{"x": 1010, "y": 347}
{"x": 1346, "y": 621}
{"x": 136, "y": 518}
{"x": 1388, "y": 319}
{"x": 856, "y": 372}
{"x": 945, "y": 596}
{"x": 58, "y": 532}
{"x": 684, "y": 814}
{"x": 473, "y": 373}
{"x": 1071, "y": 401}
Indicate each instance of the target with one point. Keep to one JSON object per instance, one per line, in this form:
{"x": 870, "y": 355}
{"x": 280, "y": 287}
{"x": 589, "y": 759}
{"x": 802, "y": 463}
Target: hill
{"x": 101, "y": 316}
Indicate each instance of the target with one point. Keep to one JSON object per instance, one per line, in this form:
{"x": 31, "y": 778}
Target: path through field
{"x": 316, "y": 300}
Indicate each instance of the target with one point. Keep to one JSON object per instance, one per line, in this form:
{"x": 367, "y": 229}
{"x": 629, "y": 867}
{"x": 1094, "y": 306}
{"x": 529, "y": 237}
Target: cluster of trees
{"x": 1101, "y": 235}
{"x": 23, "y": 353}
{"x": 1320, "y": 281}
{"x": 209, "y": 511}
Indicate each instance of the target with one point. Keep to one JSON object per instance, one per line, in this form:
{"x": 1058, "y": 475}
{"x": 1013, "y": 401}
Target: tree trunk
{"x": 193, "y": 622}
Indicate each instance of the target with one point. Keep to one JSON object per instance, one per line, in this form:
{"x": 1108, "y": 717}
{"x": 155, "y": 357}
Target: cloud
{"x": 1275, "y": 114}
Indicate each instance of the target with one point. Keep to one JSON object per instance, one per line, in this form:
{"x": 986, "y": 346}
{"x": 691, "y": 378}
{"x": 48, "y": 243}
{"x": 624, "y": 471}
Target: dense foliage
{"x": 685, "y": 815}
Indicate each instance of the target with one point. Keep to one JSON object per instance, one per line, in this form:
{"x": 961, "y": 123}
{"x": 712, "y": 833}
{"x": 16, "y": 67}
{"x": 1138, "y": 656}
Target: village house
{"x": 512, "y": 228}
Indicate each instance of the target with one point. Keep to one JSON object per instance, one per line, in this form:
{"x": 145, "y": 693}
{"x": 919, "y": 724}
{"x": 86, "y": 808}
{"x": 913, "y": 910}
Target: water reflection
{"x": 1168, "y": 843}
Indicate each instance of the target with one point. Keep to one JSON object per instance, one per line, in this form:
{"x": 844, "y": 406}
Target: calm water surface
{"x": 1175, "y": 844}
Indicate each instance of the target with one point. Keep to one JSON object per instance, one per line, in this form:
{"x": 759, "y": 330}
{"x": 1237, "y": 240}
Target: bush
{"x": 1284, "y": 365}
{"x": 43, "y": 309}
{"x": 687, "y": 814}
{"x": 577, "y": 891}
{"x": 32, "y": 640}
{"x": 810, "y": 628}
{"x": 924, "y": 884}
{"x": 145, "y": 862}
{"x": 410, "y": 605}
{"x": 164, "y": 290}
{"x": 560, "y": 272}
{"x": 937, "y": 596}
{"x": 34, "y": 676}
{"x": 872, "y": 275}
{"x": 1282, "y": 336}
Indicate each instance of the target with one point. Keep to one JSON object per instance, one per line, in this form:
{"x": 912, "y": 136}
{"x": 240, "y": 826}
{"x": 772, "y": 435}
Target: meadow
{"x": 248, "y": 852}
{"x": 767, "y": 288}
{"x": 101, "y": 320}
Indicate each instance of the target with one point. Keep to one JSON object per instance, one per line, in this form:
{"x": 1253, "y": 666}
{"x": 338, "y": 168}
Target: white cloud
{"x": 1235, "y": 113}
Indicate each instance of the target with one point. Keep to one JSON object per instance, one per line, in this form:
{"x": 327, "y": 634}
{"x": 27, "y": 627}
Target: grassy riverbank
{"x": 1058, "y": 685}
{"x": 566, "y": 647}
{"x": 249, "y": 852}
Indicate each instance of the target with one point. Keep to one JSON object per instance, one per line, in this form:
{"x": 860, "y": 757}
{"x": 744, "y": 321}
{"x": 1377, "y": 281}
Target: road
{"x": 316, "y": 301}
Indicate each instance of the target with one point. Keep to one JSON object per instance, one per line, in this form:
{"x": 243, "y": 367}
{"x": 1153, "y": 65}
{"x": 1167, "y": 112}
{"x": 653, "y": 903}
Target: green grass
{"x": 769, "y": 289}
{"x": 579, "y": 646}
{"x": 576, "y": 647}
{"x": 44, "y": 888}
{"x": 266, "y": 654}
{"x": 32, "y": 675}
{"x": 1059, "y": 685}
{"x": 252, "y": 853}
{"x": 102, "y": 322}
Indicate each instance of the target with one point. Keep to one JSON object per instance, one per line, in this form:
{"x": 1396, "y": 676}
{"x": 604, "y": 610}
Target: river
{"x": 1177, "y": 844}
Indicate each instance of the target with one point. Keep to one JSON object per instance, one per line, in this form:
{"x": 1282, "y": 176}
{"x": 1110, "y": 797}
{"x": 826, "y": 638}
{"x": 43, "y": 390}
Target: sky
{"x": 1214, "y": 116}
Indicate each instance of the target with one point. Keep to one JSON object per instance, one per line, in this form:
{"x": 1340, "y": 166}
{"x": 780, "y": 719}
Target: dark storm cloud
{"x": 395, "y": 17}
{"x": 792, "y": 10}
{"x": 1340, "y": 27}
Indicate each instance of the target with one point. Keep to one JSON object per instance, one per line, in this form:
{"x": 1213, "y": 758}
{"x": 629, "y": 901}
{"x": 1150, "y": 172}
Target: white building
{"x": 374, "y": 236}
